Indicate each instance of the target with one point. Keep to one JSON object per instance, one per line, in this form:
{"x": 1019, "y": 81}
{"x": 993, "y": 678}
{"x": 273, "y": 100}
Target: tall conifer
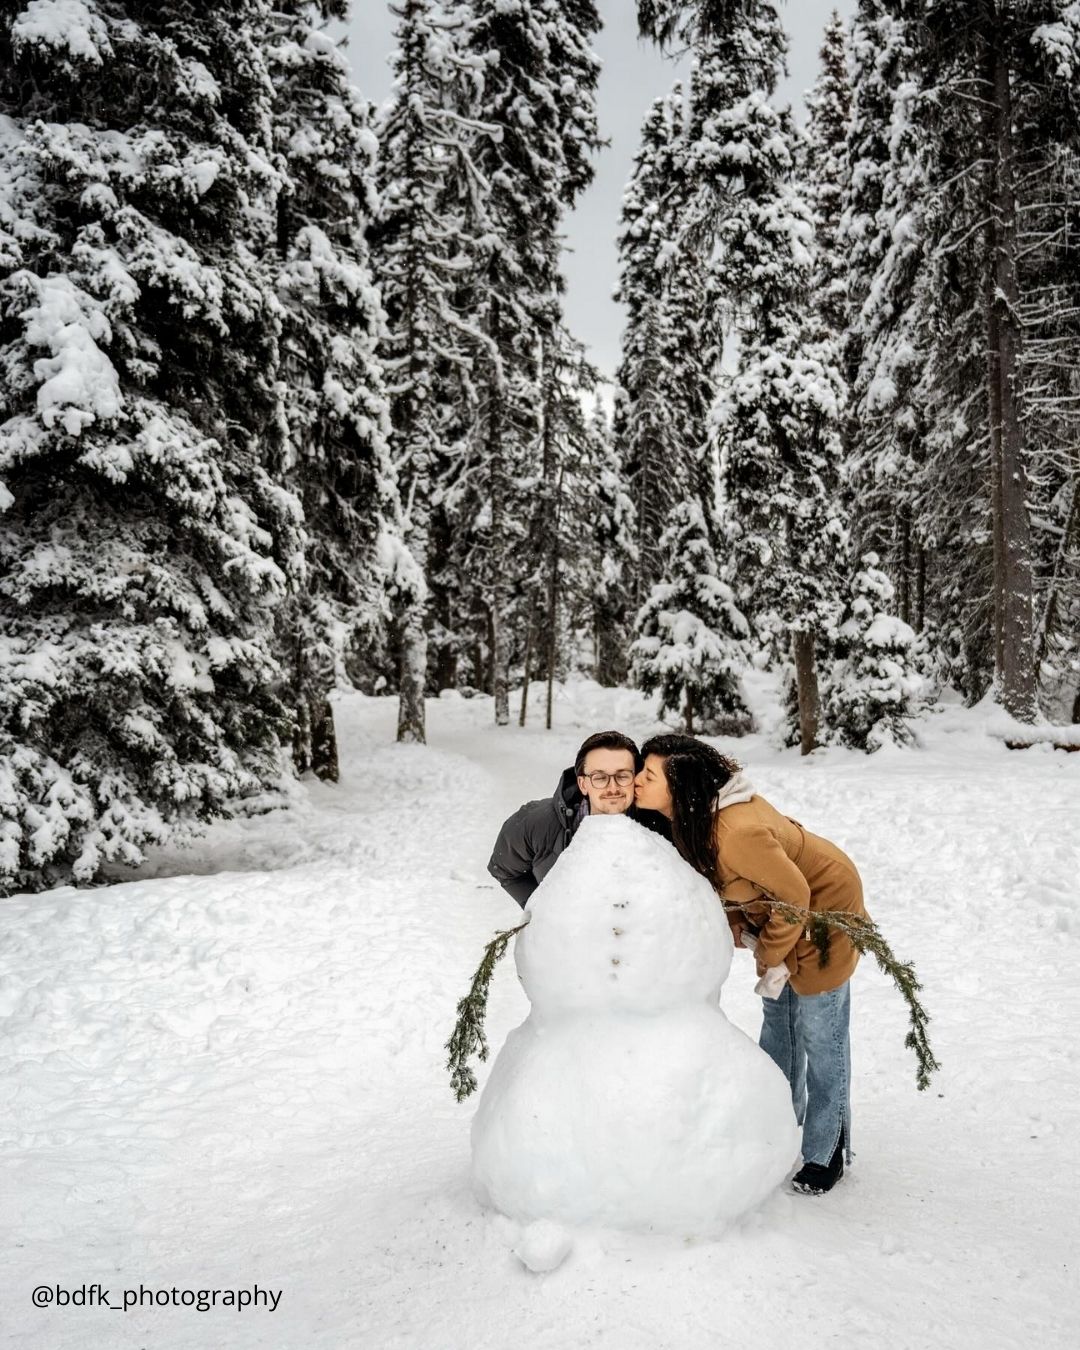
{"x": 537, "y": 94}
{"x": 145, "y": 544}
{"x": 424, "y": 242}
{"x": 335, "y": 405}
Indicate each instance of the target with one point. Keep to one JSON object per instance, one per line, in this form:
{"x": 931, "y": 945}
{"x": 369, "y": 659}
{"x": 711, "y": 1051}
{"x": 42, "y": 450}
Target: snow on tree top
{"x": 67, "y": 25}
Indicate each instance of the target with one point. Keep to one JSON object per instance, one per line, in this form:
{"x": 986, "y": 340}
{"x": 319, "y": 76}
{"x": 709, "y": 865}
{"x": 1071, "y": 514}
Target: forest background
{"x": 292, "y": 400}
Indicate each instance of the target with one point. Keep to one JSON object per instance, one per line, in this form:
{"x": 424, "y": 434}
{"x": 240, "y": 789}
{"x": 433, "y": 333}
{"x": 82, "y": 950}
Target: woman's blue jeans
{"x": 807, "y": 1036}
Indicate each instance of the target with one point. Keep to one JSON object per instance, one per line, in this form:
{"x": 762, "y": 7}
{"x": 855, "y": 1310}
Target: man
{"x": 601, "y": 782}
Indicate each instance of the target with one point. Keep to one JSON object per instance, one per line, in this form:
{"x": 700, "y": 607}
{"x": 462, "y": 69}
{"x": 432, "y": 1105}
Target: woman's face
{"x": 651, "y": 791}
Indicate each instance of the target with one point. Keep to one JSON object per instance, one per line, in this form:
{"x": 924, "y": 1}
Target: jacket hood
{"x": 738, "y": 788}
{"x": 567, "y": 795}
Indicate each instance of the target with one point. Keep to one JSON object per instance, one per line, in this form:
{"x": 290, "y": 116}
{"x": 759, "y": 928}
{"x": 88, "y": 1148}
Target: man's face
{"x": 613, "y": 798}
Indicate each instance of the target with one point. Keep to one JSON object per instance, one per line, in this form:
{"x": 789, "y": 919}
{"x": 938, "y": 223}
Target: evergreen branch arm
{"x": 467, "y": 1038}
{"x": 865, "y": 936}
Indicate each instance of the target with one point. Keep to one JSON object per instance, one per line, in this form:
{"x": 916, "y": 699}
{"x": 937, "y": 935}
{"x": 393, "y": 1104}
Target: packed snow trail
{"x": 230, "y": 1072}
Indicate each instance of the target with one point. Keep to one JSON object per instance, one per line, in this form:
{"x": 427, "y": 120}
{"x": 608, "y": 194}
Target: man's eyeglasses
{"x": 599, "y": 779}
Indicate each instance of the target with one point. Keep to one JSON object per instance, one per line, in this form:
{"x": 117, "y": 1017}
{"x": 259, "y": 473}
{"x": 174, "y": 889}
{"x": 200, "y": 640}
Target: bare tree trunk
{"x": 412, "y": 677}
{"x": 688, "y": 712}
{"x": 1015, "y": 666}
{"x": 920, "y": 589}
{"x": 528, "y": 668}
{"x": 324, "y": 750}
{"x": 807, "y": 683}
{"x": 301, "y": 739}
{"x": 412, "y": 665}
{"x": 497, "y": 560}
{"x": 446, "y": 669}
{"x": 553, "y": 644}
{"x": 1050, "y": 609}
{"x": 553, "y": 598}
{"x": 446, "y": 652}
{"x": 500, "y": 657}
{"x": 903, "y": 525}
{"x": 301, "y": 744}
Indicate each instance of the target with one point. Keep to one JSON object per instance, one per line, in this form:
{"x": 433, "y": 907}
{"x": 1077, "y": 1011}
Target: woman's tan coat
{"x": 761, "y": 853}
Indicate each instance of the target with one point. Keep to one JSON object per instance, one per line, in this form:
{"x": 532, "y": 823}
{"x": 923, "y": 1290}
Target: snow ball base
{"x": 626, "y": 1099}
{"x": 543, "y": 1246}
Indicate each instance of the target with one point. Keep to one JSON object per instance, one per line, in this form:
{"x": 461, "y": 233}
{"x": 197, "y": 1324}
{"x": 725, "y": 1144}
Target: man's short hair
{"x": 606, "y": 740}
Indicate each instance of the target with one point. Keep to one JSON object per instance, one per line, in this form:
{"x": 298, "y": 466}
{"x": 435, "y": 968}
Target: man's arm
{"x": 511, "y": 860}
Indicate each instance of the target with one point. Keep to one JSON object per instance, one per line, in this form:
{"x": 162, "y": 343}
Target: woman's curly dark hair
{"x": 695, "y": 773}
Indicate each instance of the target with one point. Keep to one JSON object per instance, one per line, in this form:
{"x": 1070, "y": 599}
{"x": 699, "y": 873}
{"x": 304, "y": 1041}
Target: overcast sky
{"x": 633, "y": 75}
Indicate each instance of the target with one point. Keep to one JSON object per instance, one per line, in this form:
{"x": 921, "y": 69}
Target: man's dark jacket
{"x": 532, "y": 839}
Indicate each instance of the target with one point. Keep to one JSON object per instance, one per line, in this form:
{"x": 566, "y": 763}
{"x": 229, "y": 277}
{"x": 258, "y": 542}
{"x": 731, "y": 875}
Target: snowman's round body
{"x": 626, "y": 1098}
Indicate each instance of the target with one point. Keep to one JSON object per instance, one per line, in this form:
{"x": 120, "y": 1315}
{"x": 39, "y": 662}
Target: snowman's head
{"x": 622, "y": 923}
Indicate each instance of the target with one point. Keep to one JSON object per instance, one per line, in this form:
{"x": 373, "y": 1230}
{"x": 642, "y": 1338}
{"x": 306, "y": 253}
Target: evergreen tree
{"x": 145, "y": 544}
{"x": 776, "y": 418}
{"x": 336, "y": 410}
{"x": 896, "y": 311}
{"x": 993, "y": 119}
{"x": 608, "y": 519}
{"x": 872, "y": 691}
{"x": 824, "y": 176}
{"x": 538, "y": 94}
{"x": 424, "y": 241}
{"x": 1049, "y": 252}
{"x": 562, "y": 532}
{"x": 693, "y": 638}
{"x": 669, "y": 344}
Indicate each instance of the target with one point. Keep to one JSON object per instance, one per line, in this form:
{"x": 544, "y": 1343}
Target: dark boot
{"x": 813, "y": 1179}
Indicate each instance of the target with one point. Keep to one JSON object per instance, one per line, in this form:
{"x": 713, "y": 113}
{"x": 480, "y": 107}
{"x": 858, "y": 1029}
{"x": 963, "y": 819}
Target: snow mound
{"x": 627, "y": 1099}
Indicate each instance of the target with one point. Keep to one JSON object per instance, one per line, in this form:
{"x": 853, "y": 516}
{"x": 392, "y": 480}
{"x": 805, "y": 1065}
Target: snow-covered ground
{"x": 230, "y": 1071}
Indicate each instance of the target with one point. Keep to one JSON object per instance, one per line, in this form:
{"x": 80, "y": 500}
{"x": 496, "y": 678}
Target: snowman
{"x": 626, "y": 1099}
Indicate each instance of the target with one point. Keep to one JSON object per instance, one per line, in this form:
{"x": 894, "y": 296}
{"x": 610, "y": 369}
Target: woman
{"x": 753, "y": 855}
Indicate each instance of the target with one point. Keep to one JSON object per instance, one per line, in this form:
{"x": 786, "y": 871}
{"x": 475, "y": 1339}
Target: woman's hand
{"x": 737, "y": 932}
{"x": 761, "y": 967}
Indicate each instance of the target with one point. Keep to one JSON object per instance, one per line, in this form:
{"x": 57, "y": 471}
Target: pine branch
{"x": 467, "y": 1038}
{"x": 865, "y": 936}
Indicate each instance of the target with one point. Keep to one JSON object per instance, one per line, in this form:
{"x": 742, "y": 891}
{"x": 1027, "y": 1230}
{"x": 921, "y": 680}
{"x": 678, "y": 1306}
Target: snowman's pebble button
{"x": 543, "y": 1246}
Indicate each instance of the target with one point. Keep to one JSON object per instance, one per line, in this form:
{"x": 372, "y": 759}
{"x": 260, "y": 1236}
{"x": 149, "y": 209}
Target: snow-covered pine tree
{"x": 873, "y": 77}
{"x": 690, "y": 635}
{"x": 336, "y": 409}
{"x": 668, "y": 22}
{"x": 145, "y": 546}
{"x": 914, "y": 470}
{"x": 873, "y": 690}
{"x": 608, "y": 520}
{"x": 424, "y": 243}
{"x": 894, "y": 311}
{"x": 823, "y": 176}
{"x": 654, "y": 439}
{"x": 822, "y": 180}
{"x": 572, "y": 551}
{"x": 693, "y": 640}
{"x": 537, "y": 93}
{"x": 776, "y": 418}
{"x": 1049, "y": 249}
{"x": 543, "y": 547}
{"x": 999, "y": 109}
